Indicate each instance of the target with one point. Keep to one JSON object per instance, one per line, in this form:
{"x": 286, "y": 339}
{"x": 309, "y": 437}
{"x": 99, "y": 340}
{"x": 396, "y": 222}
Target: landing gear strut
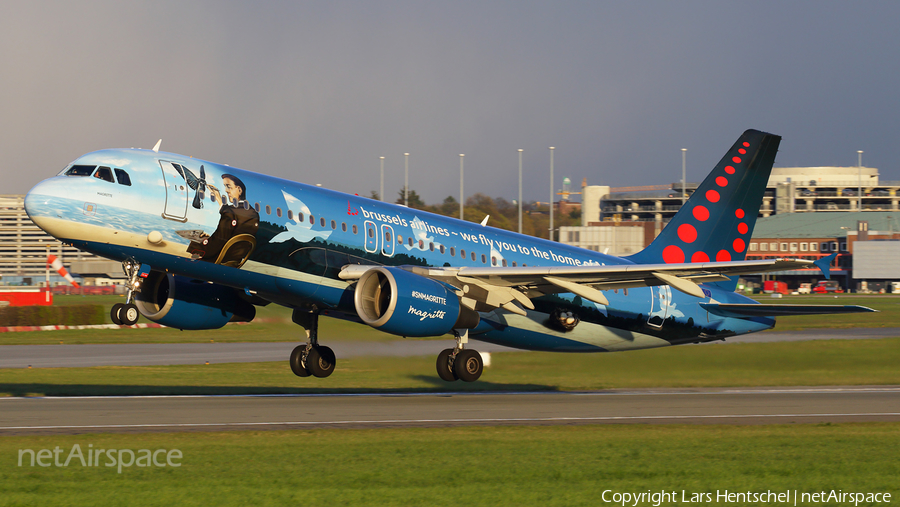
{"x": 127, "y": 314}
{"x": 460, "y": 363}
{"x": 311, "y": 358}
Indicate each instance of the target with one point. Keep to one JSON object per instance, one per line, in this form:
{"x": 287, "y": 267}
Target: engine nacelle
{"x": 399, "y": 302}
{"x": 183, "y": 303}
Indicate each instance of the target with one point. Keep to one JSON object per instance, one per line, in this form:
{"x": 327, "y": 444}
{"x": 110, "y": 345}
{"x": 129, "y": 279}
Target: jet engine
{"x": 399, "y": 302}
{"x": 184, "y": 303}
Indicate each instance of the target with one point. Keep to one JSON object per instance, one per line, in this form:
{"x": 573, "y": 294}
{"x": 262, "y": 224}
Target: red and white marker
{"x": 58, "y": 266}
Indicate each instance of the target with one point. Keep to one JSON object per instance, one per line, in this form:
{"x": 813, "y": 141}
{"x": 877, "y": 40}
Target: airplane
{"x": 202, "y": 244}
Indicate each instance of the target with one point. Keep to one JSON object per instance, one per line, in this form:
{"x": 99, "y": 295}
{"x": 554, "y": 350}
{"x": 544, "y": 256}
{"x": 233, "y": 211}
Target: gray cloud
{"x": 317, "y": 91}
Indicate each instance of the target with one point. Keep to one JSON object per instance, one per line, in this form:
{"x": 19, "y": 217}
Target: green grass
{"x": 888, "y": 315}
{"x": 273, "y": 324}
{"x": 472, "y": 466}
{"x": 821, "y": 362}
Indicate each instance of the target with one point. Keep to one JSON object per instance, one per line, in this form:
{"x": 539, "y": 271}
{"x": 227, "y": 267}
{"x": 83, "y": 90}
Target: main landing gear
{"x": 460, "y": 363}
{"x": 127, "y": 314}
{"x": 311, "y": 358}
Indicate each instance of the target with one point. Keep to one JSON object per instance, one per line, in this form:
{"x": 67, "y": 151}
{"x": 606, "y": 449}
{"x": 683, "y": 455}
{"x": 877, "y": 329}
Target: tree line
{"x": 504, "y": 214}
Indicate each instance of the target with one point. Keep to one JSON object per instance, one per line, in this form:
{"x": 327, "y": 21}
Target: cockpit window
{"x": 123, "y": 177}
{"x": 105, "y": 174}
{"x": 80, "y": 170}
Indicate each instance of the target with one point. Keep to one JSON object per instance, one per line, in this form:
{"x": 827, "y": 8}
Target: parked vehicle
{"x": 805, "y": 288}
{"x": 774, "y": 287}
{"x": 828, "y": 286}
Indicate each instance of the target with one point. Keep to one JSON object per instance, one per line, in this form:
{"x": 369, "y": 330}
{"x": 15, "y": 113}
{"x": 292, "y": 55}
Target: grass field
{"x": 820, "y": 362}
{"x": 273, "y": 323}
{"x": 546, "y": 466}
{"x": 888, "y": 315}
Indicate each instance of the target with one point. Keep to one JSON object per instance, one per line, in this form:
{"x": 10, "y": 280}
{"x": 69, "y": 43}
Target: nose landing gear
{"x": 127, "y": 314}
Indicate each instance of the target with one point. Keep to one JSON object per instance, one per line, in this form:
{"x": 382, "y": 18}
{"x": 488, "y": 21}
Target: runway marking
{"x": 810, "y": 390}
{"x": 445, "y": 421}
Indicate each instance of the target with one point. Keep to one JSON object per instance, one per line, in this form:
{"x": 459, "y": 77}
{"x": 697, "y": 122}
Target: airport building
{"x": 24, "y": 248}
{"x": 800, "y": 190}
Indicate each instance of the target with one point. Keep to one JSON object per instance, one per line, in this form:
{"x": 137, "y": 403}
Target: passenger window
{"x": 312, "y": 220}
{"x": 483, "y": 259}
{"x": 278, "y": 212}
{"x": 452, "y": 251}
{"x": 256, "y": 207}
{"x": 80, "y": 170}
{"x": 504, "y": 263}
{"x": 442, "y": 248}
{"x": 493, "y": 261}
{"x": 344, "y": 226}
{"x": 387, "y": 236}
{"x": 123, "y": 177}
{"x": 514, "y": 263}
{"x": 322, "y": 221}
{"x": 462, "y": 253}
{"x": 290, "y": 215}
{"x": 409, "y": 240}
{"x": 473, "y": 256}
{"x": 355, "y": 229}
{"x": 431, "y": 246}
{"x": 333, "y": 225}
{"x": 268, "y": 210}
{"x": 421, "y": 245}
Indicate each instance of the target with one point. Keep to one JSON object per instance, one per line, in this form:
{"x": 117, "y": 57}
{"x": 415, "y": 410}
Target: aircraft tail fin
{"x": 716, "y": 223}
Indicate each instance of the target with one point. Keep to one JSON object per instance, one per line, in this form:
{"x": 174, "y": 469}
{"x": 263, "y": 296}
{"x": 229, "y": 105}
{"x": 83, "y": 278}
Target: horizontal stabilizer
{"x": 751, "y": 310}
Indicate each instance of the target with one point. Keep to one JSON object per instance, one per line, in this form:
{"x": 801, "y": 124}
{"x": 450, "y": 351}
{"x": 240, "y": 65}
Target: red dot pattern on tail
{"x": 688, "y": 234}
{"x": 673, "y": 255}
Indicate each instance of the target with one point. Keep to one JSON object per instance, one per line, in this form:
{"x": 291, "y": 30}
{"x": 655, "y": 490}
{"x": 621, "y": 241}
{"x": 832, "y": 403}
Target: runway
{"x": 143, "y": 354}
{"x": 214, "y": 413}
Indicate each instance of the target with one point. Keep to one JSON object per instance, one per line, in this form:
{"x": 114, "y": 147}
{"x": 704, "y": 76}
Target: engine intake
{"x": 399, "y": 302}
{"x": 183, "y": 303}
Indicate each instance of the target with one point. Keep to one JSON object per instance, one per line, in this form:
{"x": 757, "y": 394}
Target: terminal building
{"x": 807, "y": 212}
{"x": 24, "y": 249}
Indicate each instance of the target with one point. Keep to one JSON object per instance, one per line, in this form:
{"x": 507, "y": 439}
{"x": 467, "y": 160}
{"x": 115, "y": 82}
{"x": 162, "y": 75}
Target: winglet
{"x": 824, "y": 263}
{"x": 156, "y": 148}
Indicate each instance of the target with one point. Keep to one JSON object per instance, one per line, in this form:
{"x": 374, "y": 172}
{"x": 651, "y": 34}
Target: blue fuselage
{"x": 307, "y": 234}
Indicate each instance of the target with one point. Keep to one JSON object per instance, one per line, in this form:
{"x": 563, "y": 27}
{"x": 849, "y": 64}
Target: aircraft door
{"x": 176, "y": 193}
{"x": 387, "y": 236}
{"x": 371, "y": 237}
{"x": 660, "y": 298}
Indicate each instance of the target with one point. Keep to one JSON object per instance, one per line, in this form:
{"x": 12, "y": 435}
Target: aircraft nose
{"x": 39, "y": 202}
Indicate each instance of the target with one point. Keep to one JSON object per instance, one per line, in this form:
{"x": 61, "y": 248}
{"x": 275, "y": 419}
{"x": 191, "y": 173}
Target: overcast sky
{"x": 317, "y": 91}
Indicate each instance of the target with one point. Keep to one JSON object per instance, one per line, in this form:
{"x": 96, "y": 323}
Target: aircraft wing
{"x": 487, "y": 288}
{"x": 744, "y": 310}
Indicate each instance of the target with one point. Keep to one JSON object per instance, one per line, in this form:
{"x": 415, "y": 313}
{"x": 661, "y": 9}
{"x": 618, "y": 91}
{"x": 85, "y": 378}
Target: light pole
{"x": 381, "y": 188}
{"x": 520, "y": 190}
{"x": 406, "y": 181}
{"x": 859, "y": 180}
{"x": 551, "y": 193}
{"x": 461, "y": 197}
{"x": 683, "y": 172}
